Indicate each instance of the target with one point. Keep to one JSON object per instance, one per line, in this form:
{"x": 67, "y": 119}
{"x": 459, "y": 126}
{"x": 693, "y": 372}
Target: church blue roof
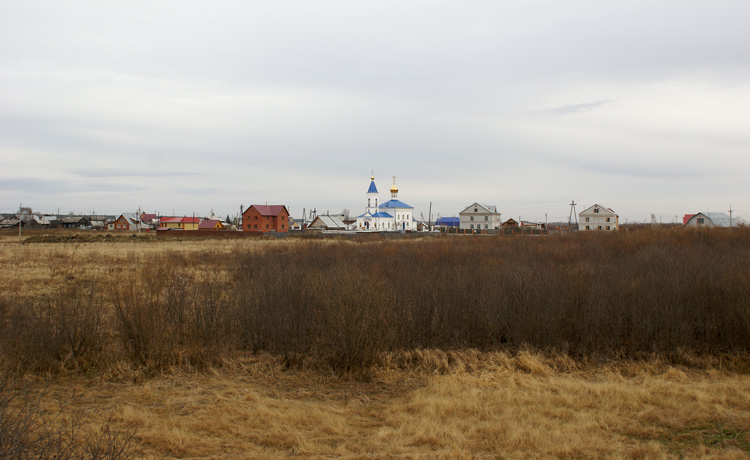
{"x": 394, "y": 204}
{"x": 372, "y": 188}
{"x": 377, "y": 214}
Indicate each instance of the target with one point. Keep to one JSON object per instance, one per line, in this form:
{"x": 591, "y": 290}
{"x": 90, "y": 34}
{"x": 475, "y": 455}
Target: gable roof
{"x": 597, "y": 206}
{"x": 179, "y": 220}
{"x": 269, "y": 210}
{"x": 485, "y": 208}
{"x": 327, "y": 221}
{"x": 209, "y": 224}
{"x": 73, "y": 219}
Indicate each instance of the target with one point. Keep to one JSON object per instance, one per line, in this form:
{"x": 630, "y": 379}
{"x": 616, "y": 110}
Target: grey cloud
{"x": 93, "y": 173}
{"x": 574, "y": 108}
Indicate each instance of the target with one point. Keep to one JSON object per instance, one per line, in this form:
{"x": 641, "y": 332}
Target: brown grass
{"x": 495, "y": 405}
{"x": 612, "y": 346}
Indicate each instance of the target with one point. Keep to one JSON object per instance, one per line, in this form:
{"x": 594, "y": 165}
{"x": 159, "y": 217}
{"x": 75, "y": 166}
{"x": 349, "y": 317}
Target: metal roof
{"x": 372, "y": 188}
{"x": 490, "y": 208}
{"x": 719, "y": 219}
{"x": 209, "y": 223}
{"x": 395, "y": 204}
{"x": 269, "y": 210}
{"x": 448, "y": 221}
{"x": 329, "y": 222}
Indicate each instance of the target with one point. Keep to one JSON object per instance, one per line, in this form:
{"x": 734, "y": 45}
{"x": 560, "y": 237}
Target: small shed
{"x": 327, "y": 222}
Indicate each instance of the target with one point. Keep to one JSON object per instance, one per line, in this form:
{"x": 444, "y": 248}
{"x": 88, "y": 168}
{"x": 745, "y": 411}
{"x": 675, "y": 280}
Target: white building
{"x": 598, "y": 218}
{"x": 713, "y": 219}
{"x": 479, "y": 217}
{"x": 393, "y": 215}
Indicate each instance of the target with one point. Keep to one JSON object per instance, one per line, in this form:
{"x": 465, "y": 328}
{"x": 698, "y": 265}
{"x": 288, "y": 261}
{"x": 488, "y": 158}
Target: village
{"x": 393, "y": 216}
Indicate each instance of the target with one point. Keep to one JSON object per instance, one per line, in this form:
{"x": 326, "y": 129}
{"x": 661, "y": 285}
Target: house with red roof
{"x": 265, "y": 218}
{"x": 179, "y": 223}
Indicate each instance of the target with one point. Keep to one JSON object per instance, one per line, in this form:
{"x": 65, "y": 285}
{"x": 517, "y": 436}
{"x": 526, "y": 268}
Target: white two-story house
{"x": 479, "y": 217}
{"x": 598, "y": 218}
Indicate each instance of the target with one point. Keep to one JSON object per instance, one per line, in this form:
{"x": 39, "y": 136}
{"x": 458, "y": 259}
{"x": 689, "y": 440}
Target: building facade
{"x": 597, "y": 218}
{"x": 479, "y": 217}
{"x": 393, "y": 215}
{"x": 265, "y": 218}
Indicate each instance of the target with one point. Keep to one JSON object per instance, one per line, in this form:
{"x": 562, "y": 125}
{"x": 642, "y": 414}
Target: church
{"x": 393, "y": 215}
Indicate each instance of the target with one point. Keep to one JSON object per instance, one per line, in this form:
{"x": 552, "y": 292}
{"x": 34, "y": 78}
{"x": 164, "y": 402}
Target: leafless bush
{"x": 28, "y": 431}
{"x": 343, "y": 304}
{"x": 65, "y": 330}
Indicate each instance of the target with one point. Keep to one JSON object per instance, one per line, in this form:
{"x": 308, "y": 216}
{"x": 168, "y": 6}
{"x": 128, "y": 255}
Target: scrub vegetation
{"x": 631, "y": 345}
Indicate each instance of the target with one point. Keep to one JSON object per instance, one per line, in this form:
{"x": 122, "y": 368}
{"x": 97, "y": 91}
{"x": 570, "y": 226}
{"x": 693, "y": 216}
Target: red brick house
{"x": 264, "y": 218}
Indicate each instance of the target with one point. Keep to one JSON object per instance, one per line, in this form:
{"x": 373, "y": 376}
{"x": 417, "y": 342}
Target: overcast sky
{"x": 182, "y": 107}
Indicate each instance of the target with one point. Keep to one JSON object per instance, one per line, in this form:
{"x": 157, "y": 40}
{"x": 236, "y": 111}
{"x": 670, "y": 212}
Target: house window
{"x": 596, "y": 211}
{"x": 475, "y": 210}
{"x": 587, "y": 228}
{"x": 486, "y": 226}
{"x": 599, "y": 227}
{"x": 472, "y": 218}
{"x": 256, "y": 217}
{"x": 255, "y": 226}
{"x": 472, "y": 226}
{"x": 282, "y": 225}
{"x": 486, "y": 218}
{"x": 607, "y": 227}
{"x": 587, "y": 219}
{"x": 266, "y": 226}
{"x": 700, "y": 220}
{"x": 607, "y": 219}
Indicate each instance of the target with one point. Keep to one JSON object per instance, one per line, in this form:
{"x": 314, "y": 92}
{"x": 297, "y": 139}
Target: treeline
{"x": 343, "y": 304}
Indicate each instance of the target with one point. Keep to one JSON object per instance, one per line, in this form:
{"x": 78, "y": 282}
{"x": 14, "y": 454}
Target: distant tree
{"x": 25, "y": 213}
{"x": 345, "y": 213}
{"x": 229, "y": 220}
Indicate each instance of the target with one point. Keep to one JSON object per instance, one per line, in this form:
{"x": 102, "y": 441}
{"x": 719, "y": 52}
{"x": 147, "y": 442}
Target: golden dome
{"x": 394, "y": 189}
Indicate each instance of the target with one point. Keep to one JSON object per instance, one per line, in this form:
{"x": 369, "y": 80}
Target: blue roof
{"x": 377, "y": 214}
{"x": 394, "y": 204}
{"x": 372, "y": 188}
{"x": 448, "y": 221}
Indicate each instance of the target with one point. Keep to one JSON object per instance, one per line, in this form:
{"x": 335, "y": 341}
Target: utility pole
{"x": 730, "y": 216}
{"x": 20, "y": 207}
{"x": 429, "y": 218}
{"x": 572, "y": 215}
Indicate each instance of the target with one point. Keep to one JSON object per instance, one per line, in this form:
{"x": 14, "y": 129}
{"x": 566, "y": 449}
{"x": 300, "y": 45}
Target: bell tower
{"x": 372, "y": 196}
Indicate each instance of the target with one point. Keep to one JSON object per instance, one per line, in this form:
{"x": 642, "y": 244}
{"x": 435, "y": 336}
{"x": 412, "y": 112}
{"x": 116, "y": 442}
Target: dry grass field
{"x": 403, "y": 349}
